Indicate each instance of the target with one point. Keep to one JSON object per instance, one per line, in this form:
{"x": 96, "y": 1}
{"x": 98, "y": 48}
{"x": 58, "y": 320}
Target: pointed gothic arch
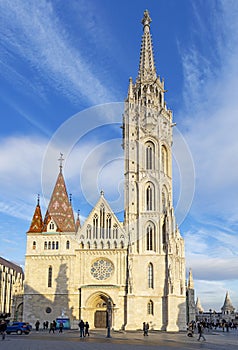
{"x": 150, "y": 275}
{"x": 150, "y": 236}
{"x": 95, "y": 226}
{"x": 164, "y": 160}
{"x": 149, "y": 155}
{"x": 102, "y": 220}
{"x": 150, "y": 308}
{"x": 150, "y": 196}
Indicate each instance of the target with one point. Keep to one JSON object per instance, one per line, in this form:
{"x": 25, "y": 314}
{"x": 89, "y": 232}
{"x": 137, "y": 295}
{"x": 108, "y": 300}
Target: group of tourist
{"x": 204, "y": 324}
{"x": 83, "y": 328}
{"x": 52, "y": 326}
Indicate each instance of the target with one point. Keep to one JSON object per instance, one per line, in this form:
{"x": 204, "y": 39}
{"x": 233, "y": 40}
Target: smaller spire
{"x": 37, "y": 222}
{"x": 227, "y": 307}
{"x": 61, "y": 159}
{"x": 190, "y": 280}
{"x": 38, "y": 200}
{"x": 199, "y": 308}
{"x": 78, "y": 224}
{"x": 130, "y": 88}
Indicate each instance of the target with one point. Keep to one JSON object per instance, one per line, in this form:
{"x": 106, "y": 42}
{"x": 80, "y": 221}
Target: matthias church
{"x": 138, "y": 265}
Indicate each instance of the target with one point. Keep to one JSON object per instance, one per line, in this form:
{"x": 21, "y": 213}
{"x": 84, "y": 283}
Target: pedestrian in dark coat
{"x": 61, "y": 326}
{"x": 81, "y": 328}
{"x": 3, "y": 327}
{"x": 86, "y": 328}
{"x": 145, "y": 328}
{"x": 200, "y": 331}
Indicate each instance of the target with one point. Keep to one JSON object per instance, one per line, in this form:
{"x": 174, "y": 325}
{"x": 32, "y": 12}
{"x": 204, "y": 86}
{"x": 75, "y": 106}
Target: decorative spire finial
{"x": 146, "y": 20}
{"x": 70, "y": 198}
{"x": 38, "y": 199}
{"x": 61, "y": 159}
{"x": 102, "y": 193}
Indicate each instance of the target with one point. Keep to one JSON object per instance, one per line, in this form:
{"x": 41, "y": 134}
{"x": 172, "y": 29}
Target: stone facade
{"x": 138, "y": 265}
{"x": 11, "y": 290}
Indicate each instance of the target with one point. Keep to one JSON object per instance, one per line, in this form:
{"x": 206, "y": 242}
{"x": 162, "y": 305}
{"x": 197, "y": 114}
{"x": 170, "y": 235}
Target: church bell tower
{"x": 156, "y": 264}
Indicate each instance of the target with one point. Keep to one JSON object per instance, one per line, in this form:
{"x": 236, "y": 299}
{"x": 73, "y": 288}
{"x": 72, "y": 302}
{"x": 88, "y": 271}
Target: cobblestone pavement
{"x": 70, "y": 340}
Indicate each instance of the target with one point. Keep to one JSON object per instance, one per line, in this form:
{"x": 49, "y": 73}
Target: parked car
{"x": 18, "y": 327}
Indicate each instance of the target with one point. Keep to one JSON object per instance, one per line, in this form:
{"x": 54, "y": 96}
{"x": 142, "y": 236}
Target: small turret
{"x": 37, "y": 222}
{"x": 199, "y": 308}
{"x": 78, "y": 224}
{"x": 190, "y": 280}
{"x": 227, "y": 307}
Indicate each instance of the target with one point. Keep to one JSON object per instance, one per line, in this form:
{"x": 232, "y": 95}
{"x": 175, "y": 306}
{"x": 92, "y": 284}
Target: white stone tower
{"x": 156, "y": 264}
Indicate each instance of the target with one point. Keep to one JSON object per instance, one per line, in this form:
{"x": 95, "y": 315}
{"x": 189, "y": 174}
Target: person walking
{"x": 61, "y": 326}
{"x": 52, "y": 328}
{"x": 37, "y": 325}
{"x": 200, "y": 331}
{"x": 86, "y": 329}
{"x": 81, "y": 328}
{"x": 3, "y": 327}
{"x": 145, "y": 328}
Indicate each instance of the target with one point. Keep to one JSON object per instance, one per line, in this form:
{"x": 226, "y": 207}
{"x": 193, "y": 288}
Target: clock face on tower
{"x": 102, "y": 269}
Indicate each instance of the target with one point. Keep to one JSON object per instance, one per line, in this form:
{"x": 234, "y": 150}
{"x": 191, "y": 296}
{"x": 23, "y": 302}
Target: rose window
{"x": 102, "y": 269}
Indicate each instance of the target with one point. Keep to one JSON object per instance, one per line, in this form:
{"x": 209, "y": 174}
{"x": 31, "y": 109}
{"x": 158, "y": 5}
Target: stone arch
{"x": 95, "y": 309}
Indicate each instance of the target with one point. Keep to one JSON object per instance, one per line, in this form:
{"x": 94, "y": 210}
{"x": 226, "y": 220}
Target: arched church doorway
{"x": 97, "y": 304}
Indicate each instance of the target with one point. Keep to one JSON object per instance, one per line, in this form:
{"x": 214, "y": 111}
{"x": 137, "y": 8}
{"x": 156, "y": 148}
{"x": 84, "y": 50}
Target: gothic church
{"x": 137, "y": 265}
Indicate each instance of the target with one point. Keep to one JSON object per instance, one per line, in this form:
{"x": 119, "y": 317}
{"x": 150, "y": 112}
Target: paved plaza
{"x": 70, "y": 340}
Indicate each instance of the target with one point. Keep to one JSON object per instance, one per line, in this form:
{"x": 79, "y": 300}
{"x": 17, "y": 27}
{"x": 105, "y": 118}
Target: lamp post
{"x": 109, "y": 317}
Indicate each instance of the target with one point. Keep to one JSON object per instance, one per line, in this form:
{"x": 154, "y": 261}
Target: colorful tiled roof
{"x": 36, "y": 222}
{"x": 60, "y": 209}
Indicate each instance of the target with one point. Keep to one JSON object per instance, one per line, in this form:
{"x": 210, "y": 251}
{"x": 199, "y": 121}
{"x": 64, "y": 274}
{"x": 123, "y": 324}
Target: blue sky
{"x": 58, "y": 60}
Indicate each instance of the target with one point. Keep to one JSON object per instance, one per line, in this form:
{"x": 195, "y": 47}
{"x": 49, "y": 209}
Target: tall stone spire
{"x": 147, "y": 71}
{"x": 199, "y": 308}
{"x": 227, "y": 307}
{"x": 37, "y": 222}
{"x": 60, "y": 209}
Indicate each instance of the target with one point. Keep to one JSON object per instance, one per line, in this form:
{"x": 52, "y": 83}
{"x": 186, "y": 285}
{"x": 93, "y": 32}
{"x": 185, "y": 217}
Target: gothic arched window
{"x": 53, "y": 245}
{"x": 108, "y": 226}
{"x": 34, "y": 245}
{"x": 89, "y": 232}
{"x": 150, "y": 197}
{"x": 150, "y": 276}
{"x": 164, "y": 155}
{"x": 102, "y": 221}
{"x": 50, "y": 276}
{"x": 150, "y": 308}
{"x": 150, "y": 237}
{"x": 115, "y": 231}
{"x": 149, "y": 155}
{"x": 95, "y": 226}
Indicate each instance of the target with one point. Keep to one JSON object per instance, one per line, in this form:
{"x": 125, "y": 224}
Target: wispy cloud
{"x": 33, "y": 32}
{"x": 210, "y": 85}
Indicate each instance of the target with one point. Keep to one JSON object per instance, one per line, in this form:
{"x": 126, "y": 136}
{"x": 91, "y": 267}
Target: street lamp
{"x": 110, "y": 306}
{"x": 109, "y": 317}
